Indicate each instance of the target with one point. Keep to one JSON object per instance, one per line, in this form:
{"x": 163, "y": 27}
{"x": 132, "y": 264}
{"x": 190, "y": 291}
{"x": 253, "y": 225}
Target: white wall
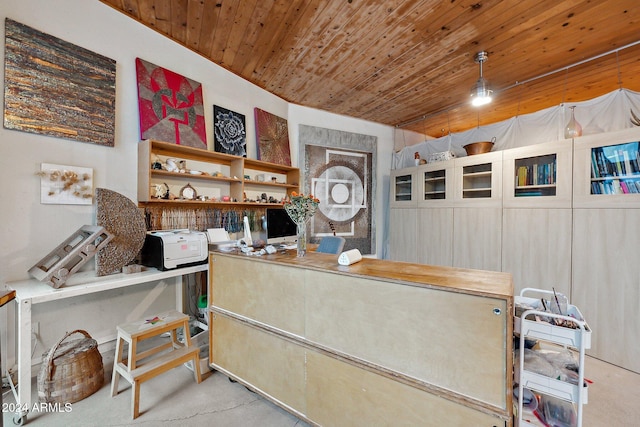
{"x": 30, "y": 230}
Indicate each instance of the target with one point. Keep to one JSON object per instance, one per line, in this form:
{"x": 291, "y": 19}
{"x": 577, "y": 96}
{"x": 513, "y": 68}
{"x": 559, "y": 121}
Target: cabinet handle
{"x": 497, "y": 311}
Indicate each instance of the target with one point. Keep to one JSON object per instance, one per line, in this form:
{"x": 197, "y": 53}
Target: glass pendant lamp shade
{"x": 573, "y": 128}
{"x": 481, "y": 92}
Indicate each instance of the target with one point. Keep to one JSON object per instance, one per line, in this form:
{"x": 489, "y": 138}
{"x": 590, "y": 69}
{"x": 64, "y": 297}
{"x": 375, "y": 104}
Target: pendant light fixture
{"x": 480, "y": 92}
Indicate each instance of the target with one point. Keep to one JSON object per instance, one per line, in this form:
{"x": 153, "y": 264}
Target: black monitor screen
{"x": 280, "y": 227}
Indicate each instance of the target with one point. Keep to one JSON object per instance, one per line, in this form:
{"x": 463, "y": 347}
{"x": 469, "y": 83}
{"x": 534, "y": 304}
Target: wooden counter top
{"x": 478, "y": 282}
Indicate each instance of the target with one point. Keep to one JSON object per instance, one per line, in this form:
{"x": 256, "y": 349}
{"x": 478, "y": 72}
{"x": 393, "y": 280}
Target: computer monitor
{"x": 280, "y": 227}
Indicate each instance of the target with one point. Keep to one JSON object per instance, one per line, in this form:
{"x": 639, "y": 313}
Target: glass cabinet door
{"x": 615, "y": 169}
{"x": 535, "y": 176}
{"x": 404, "y": 184}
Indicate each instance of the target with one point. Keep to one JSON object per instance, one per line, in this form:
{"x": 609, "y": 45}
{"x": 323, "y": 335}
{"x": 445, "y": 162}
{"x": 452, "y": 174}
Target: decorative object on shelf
{"x": 230, "y": 134}
{"x": 56, "y": 88}
{"x": 170, "y": 106}
{"x": 481, "y": 91}
{"x": 272, "y": 136}
{"x": 188, "y": 192}
{"x": 65, "y": 185}
{"x": 193, "y": 218}
{"x": 67, "y": 258}
{"x": 573, "y": 128}
{"x": 416, "y": 157}
{"x": 441, "y": 156}
{"x": 161, "y": 190}
{"x": 122, "y": 218}
{"x": 300, "y": 209}
{"x": 480, "y": 147}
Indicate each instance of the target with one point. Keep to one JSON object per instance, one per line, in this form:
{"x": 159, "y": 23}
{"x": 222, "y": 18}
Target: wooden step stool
{"x": 137, "y": 368}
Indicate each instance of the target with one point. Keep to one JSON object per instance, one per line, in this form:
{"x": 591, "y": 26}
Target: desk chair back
{"x": 331, "y": 245}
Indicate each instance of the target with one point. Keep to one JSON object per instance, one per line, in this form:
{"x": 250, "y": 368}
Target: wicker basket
{"x": 71, "y": 371}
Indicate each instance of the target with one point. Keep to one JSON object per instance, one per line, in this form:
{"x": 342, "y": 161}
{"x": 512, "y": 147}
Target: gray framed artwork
{"x": 339, "y": 169}
{"x": 229, "y": 132}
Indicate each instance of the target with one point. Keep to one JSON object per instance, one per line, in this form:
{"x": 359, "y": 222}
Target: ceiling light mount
{"x": 481, "y": 91}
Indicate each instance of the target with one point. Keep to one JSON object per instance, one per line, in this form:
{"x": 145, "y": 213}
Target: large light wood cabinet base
{"x": 374, "y": 343}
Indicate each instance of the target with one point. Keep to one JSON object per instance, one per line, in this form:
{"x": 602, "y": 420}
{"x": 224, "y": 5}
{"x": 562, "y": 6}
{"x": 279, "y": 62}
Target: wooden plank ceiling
{"x": 401, "y": 61}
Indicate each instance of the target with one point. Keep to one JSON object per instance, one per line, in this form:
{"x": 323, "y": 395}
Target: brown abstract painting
{"x": 272, "y": 136}
{"x": 55, "y": 88}
{"x": 171, "y": 108}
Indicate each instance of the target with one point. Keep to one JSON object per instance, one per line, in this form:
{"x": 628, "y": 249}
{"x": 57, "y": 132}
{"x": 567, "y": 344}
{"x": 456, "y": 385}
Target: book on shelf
{"x": 615, "y": 160}
{"x": 536, "y": 174}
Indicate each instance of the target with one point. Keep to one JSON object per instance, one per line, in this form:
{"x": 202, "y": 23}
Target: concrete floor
{"x": 175, "y": 399}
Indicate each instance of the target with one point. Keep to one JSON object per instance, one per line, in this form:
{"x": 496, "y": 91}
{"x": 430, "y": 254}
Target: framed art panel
{"x": 55, "y": 88}
{"x": 170, "y": 105}
{"x": 272, "y": 136}
{"x": 230, "y": 134}
{"x": 65, "y": 185}
{"x": 339, "y": 169}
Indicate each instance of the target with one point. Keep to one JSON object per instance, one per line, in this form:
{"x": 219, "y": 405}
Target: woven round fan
{"x": 122, "y": 218}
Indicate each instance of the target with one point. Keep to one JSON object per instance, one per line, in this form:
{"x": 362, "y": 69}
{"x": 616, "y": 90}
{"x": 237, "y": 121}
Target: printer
{"x": 169, "y": 249}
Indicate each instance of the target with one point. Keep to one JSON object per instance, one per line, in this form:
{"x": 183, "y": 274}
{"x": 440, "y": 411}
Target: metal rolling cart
{"x": 574, "y": 334}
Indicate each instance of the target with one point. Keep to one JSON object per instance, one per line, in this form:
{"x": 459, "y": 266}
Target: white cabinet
{"x": 435, "y": 184}
{"x": 607, "y": 170}
{"x": 435, "y": 214}
{"x": 403, "y": 188}
{"x": 435, "y": 236}
{"x": 402, "y": 234}
{"x": 538, "y": 176}
{"x": 478, "y": 180}
{"x": 477, "y": 213}
{"x": 563, "y": 328}
{"x": 606, "y": 273}
{"x": 402, "y": 215}
{"x": 537, "y": 216}
{"x": 477, "y": 238}
{"x": 536, "y": 247}
{"x": 606, "y": 249}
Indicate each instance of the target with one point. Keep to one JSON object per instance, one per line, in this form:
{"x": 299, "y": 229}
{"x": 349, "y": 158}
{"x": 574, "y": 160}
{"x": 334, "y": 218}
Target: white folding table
{"x": 32, "y": 291}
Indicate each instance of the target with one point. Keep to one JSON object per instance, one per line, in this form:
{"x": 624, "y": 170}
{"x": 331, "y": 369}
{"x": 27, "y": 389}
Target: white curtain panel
{"x": 607, "y": 113}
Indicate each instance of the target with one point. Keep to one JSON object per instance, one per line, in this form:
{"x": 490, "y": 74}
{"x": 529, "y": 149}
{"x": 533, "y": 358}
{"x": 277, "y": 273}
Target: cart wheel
{"x": 19, "y": 419}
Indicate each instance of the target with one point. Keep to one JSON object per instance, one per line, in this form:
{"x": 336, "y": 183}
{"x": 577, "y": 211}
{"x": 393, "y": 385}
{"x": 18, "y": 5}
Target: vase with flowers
{"x": 301, "y": 208}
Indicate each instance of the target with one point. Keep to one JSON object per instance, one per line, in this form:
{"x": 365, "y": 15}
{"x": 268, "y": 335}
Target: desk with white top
{"x": 32, "y": 291}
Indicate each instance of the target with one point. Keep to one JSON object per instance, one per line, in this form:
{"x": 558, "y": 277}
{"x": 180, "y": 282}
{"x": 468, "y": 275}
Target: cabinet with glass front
{"x": 403, "y": 187}
{"x": 435, "y": 183}
{"x": 607, "y": 170}
{"x": 478, "y": 179}
{"x": 538, "y": 175}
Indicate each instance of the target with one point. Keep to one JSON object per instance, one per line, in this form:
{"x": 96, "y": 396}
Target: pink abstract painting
{"x": 171, "y": 107}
